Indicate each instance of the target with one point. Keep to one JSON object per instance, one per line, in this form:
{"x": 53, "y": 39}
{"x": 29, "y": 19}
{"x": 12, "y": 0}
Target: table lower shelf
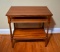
{"x": 22, "y": 34}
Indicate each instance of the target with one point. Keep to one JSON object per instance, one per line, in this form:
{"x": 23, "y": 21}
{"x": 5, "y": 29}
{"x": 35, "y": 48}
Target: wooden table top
{"x": 29, "y": 11}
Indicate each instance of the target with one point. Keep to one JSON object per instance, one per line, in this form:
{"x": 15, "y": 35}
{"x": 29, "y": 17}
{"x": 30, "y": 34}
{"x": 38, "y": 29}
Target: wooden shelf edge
{"x": 29, "y": 20}
{"x": 29, "y": 34}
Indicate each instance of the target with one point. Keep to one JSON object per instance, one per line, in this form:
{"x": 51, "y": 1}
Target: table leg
{"x": 48, "y": 25}
{"x": 47, "y": 36}
{"x": 11, "y": 34}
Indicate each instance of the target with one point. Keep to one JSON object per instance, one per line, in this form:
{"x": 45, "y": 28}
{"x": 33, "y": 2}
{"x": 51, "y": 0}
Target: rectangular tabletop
{"x": 29, "y": 11}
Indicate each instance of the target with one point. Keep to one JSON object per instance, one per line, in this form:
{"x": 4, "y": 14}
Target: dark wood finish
{"x": 28, "y": 14}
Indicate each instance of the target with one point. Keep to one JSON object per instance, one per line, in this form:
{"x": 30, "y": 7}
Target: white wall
{"x": 4, "y": 6}
{"x": 53, "y": 5}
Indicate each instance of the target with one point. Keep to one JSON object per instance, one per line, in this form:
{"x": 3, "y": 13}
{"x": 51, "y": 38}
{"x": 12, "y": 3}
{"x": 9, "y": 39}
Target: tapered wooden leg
{"x": 11, "y": 35}
{"x": 46, "y": 42}
{"x": 13, "y": 43}
{"x": 47, "y": 36}
{"x": 48, "y": 25}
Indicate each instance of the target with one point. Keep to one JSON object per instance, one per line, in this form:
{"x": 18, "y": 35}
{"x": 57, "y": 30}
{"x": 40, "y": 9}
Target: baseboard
{"x": 7, "y": 31}
{"x": 54, "y": 30}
